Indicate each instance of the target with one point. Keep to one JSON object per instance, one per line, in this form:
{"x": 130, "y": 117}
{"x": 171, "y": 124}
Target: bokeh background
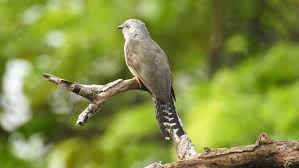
{"x": 235, "y": 66}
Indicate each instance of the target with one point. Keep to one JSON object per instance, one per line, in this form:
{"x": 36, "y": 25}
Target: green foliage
{"x": 257, "y": 96}
{"x": 8, "y": 160}
{"x": 256, "y": 90}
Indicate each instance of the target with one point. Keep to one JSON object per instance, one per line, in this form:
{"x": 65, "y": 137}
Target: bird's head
{"x": 133, "y": 26}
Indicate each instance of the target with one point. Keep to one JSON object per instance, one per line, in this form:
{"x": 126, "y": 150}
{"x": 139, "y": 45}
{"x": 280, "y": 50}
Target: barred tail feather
{"x": 160, "y": 113}
{"x": 168, "y": 119}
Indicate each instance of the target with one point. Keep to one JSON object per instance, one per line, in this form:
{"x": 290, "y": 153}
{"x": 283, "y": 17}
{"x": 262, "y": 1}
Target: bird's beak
{"x": 120, "y": 27}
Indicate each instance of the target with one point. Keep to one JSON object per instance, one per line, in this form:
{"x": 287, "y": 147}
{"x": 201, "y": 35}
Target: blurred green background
{"x": 235, "y": 66}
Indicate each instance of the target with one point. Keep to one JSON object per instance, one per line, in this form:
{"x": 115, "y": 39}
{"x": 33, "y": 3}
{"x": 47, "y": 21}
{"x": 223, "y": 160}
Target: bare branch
{"x": 96, "y": 94}
{"x": 99, "y": 94}
{"x": 265, "y": 153}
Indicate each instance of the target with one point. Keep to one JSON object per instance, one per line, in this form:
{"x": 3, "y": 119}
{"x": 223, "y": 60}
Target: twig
{"x": 96, "y": 94}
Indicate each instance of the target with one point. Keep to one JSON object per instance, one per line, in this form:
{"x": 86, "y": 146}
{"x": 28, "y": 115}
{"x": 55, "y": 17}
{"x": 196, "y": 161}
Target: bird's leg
{"x": 141, "y": 85}
{"x": 139, "y": 82}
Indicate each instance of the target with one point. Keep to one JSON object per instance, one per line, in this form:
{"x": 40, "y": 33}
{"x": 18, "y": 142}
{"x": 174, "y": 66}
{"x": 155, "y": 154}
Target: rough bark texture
{"x": 265, "y": 153}
{"x": 96, "y": 94}
{"x": 99, "y": 94}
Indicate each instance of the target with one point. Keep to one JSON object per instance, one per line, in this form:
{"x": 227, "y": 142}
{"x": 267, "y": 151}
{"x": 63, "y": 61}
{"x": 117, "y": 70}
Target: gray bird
{"x": 148, "y": 62}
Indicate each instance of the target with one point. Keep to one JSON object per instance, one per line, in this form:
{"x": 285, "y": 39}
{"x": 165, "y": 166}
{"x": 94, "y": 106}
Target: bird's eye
{"x": 127, "y": 26}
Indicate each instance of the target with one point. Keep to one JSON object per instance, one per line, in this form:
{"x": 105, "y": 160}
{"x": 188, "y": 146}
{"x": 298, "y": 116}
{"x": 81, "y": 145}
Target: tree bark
{"x": 265, "y": 153}
{"x": 99, "y": 94}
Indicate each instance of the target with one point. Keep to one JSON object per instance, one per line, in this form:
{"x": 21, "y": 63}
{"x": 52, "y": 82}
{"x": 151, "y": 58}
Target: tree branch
{"x": 99, "y": 94}
{"x": 265, "y": 153}
{"x": 96, "y": 94}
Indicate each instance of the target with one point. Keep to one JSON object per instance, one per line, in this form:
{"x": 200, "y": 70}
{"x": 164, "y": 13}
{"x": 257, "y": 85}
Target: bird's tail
{"x": 168, "y": 119}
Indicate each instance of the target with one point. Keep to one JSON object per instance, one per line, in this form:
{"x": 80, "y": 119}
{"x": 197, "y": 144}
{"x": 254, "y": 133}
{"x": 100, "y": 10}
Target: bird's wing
{"x": 147, "y": 61}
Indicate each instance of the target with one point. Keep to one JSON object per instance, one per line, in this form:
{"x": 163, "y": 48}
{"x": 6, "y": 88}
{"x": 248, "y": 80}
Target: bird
{"x": 149, "y": 64}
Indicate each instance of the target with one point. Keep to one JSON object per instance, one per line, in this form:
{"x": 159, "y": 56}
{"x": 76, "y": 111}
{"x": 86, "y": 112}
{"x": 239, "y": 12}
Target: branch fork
{"x": 265, "y": 153}
{"x": 96, "y": 94}
{"x": 99, "y": 94}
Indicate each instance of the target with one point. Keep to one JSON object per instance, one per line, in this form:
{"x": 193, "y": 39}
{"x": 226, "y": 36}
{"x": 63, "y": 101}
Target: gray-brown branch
{"x": 265, "y": 153}
{"x": 96, "y": 94}
{"x": 99, "y": 94}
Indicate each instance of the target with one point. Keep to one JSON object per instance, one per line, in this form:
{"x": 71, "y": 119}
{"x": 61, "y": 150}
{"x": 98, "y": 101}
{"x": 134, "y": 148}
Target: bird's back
{"x": 147, "y": 61}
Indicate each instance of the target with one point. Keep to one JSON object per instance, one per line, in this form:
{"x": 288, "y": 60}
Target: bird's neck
{"x": 139, "y": 35}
